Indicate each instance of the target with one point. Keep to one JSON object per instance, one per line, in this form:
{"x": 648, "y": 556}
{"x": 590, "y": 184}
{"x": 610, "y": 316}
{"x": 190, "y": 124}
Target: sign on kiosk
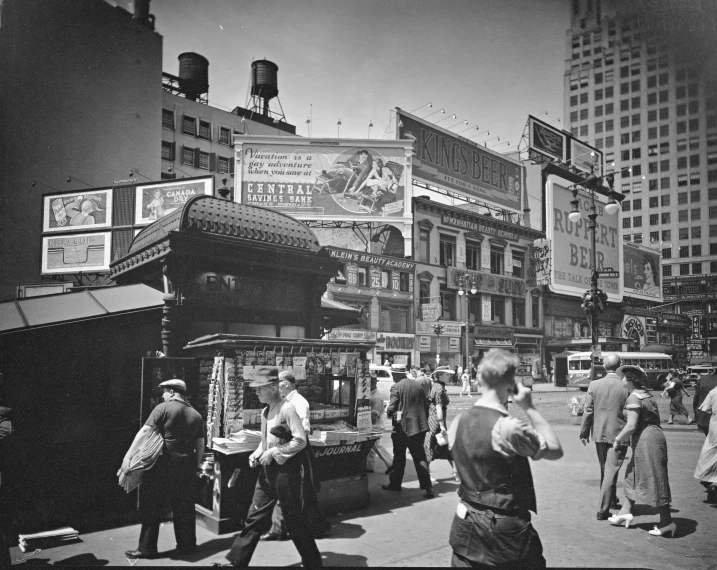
{"x": 571, "y": 242}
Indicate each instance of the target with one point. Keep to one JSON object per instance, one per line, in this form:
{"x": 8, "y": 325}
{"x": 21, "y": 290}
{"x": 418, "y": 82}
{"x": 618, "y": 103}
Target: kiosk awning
{"x": 35, "y": 312}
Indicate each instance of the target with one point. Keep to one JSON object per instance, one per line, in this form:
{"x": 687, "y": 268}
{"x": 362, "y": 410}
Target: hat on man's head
{"x": 175, "y": 384}
{"x": 264, "y": 376}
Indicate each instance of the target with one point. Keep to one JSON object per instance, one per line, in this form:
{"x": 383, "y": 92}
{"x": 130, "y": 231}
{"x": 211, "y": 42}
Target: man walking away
{"x": 407, "y": 408}
{"x": 465, "y": 383}
{"x": 603, "y": 417}
{"x": 172, "y": 479}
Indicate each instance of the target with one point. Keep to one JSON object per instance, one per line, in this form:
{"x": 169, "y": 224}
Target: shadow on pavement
{"x": 685, "y": 527}
{"x": 346, "y": 530}
{"x": 86, "y": 559}
{"x": 332, "y": 559}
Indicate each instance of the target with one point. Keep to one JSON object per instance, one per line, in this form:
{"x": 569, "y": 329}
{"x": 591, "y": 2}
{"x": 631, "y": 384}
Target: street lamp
{"x": 467, "y": 283}
{"x": 438, "y": 328}
{"x": 594, "y": 300}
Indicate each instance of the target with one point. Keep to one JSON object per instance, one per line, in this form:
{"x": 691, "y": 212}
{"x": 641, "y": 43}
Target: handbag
{"x": 441, "y": 439}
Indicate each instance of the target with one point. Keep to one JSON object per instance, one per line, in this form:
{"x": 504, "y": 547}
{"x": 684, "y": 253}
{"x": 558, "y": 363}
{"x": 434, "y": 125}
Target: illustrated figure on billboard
{"x": 85, "y": 217}
{"x": 361, "y": 169}
{"x": 379, "y": 188}
{"x": 651, "y": 285}
{"x": 156, "y": 206}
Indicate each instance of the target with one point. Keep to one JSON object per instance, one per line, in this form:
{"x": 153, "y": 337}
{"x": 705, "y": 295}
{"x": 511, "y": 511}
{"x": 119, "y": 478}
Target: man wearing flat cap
{"x": 172, "y": 479}
{"x": 280, "y": 463}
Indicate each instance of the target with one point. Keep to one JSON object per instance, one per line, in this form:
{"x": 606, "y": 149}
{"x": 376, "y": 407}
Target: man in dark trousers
{"x": 172, "y": 479}
{"x": 704, "y": 386}
{"x": 603, "y": 416}
{"x": 280, "y": 462}
{"x": 407, "y": 409}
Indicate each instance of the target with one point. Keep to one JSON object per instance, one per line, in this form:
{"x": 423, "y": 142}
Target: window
{"x": 598, "y": 94}
{"x": 625, "y": 105}
{"x": 635, "y": 85}
{"x": 637, "y": 222}
{"x": 189, "y": 125}
{"x": 203, "y": 160}
{"x": 635, "y": 104}
{"x": 609, "y": 142}
{"x": 497, "y": 309}
{"x": 681, "y": 110}
{"x": 681, "y": 92}
{"x": 598, "y": 110}
{"x": 652, "y": 150}
{"x": 652, "y": 98}
{"x": 609, "y": 108}
{"x": 666, "y": 235}
{"x": 225, "y": 136}
{"x": 663, "y": 96}
{"x": 682, "y": 198}
{"x": 472, "y": 255}
{"x": 713, "y": 231}
{"x": 665, "y": 165}
{"x": 584, "y": 131}
{"x": 626, "y": 223}
{"x": 696, "y": 250}
{"x": 474, "y": 308}
{"x": 497, "y": 262}
{"x": 448, "y": 302}
{"x": 518, "y": 261}
{"x": 626, "y": 205}
{"x": 665, "y": 217}
{"x": 664, "y": 113}
{"x": 653, "y": 184}
{"x": 583, "y": 114}
{"x": 665, "y": 200}
{"x": 573, "y": 99}
{"x": 695, "y": 196}
{"x": 694, "y": 178}
{"x": 712, "y": 157}
{"x": 713, "y": 249}
{"x": 652, "y": 133}
{"x": 167, "y": 119}
{"x": 713, "y": 266}
{"x": 697, "y": 268}
{"x": 222, "y": 165}
{"x": 424, "y": 292}
{"x": 205, "y": 130}
{"x": 664, "y": 130}
{"x": 652, "y": 116}
{"x": 695, "y": 214}
{"x": 637, "y": 238}
{"x": 583, "y": 98}
{"x": 535, "y": 310}
{"x": 394, "y": 318}
{"x": 448, "y": 250}
{"x": 598, "y": 127}
{"x": 625, "y": 187}
{"x": 681, "y": 127}
{"x": 609, "y": 125}
{"x": 664, "y": 147}
{"x": 654, "y": 219}
{"x": 188, "y": 156}
{"x": 609, "y": 92}
{"x": 684, "y": 233}
{"x": 667, "y": 270}
{"x": 168, "y": 151}
{"x": 681, "y": 162}
{"x": 682, "y": 216}
{"x": 636, "y": 170}
{"x": 684, "y": 251}
{"x": 666, "y": 253}
{"x": 424, "y": 240}
{"x": 654, "y": 202}
{"x": 654, "y": 237}
{"x": 518, "y": 312}
{"x": 362, "y": 276}
{"x": 664, "y": 183}
{"x": 636, "y": 204}
{"x": 712, "y": 194}
{"x": 574, "y": 117}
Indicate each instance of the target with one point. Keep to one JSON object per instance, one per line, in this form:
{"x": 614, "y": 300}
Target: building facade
{"x": 639, "y": 85}
{"x": 472, "y": 277}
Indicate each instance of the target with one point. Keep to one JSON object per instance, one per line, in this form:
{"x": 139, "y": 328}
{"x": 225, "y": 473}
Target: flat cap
{"x": 175, "y": 383}
{"x": 264, "y": 376}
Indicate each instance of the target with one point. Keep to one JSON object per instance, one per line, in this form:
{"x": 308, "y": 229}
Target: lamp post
{"x": 466, "y": 283}
{"x": 594, "y": 300}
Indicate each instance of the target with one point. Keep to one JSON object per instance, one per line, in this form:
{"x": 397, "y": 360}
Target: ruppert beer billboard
{"x": 570, "y": 256}
{"x": 325, "y": 179}
{"x": 443, "y": 159}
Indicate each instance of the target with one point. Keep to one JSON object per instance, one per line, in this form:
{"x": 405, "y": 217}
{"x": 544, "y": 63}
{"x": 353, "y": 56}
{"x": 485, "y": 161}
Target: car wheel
{"x": 583, "y": 388}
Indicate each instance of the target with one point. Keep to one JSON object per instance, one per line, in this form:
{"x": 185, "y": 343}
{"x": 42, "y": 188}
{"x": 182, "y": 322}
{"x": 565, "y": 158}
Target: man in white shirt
{"x": 279, "y": 478}
{"x": 287, "y": 389}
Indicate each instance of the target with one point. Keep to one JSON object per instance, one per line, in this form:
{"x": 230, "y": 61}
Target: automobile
{"x": 695, "y": 372}
{"x": 386, "y": 376}
{"x": 582, "y": 381}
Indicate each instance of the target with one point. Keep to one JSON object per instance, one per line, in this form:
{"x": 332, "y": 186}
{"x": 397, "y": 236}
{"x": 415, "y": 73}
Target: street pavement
{"x": 406, "y": 530}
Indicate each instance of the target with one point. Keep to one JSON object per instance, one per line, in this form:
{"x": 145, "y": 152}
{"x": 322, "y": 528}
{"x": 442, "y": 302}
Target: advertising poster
{"x": 642, "y": 272}
{"x": 77, "y": 253}
{"x": 77, "y": 211}
{"x": 155, "y": 200}
{"x": 539, "y": 272}
{"x": 424, "y": 343}
{"x": 634, "y": 327}
{"x": 431, "y": 312}
{"x": 547, "y": 140}
{"x": 583, "y": 156}
{"x": 447, "y": 160}
{"x": 570, "y": 254}
{"x": 313, "y": 179}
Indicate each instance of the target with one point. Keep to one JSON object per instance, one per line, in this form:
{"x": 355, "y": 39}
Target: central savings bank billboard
{"x": 571, "y": 242}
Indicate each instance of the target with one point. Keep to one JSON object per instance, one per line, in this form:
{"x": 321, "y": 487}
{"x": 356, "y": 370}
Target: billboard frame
{"x": 141, "y": 186}
{"x": 557, "y": 132}
{"x": 645, "y": 250}
{"x": 49, "y": 197}
{"x": 76, "y": 270}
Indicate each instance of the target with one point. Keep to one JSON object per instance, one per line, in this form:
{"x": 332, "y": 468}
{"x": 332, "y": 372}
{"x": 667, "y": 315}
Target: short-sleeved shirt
{"x": 180, "y": 425}
{"x": 643, "y": 402}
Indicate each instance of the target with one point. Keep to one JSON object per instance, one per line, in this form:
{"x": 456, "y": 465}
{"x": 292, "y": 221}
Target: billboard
{"x": 546, "y": 140}
{"x": 444, "y": 159}
{"x": 583, "y": 157}
{"x": 320, "y": 179}
{"x": 570, "y": 254}
{"x": 155, "y": 200}
{"x": 641, "y": 272}
{"x": 76, "y": 253}
{"x": 72, "y": 212}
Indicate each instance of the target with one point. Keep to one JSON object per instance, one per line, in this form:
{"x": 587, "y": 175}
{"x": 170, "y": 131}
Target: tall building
{"x": 640, "y": 84}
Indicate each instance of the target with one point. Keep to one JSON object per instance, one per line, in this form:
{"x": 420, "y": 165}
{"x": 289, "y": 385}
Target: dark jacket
{"x": 408, "y": 397}
{"x": 603, "y": 409}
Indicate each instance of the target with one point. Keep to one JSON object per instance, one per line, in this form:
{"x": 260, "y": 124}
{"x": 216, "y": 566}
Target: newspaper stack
{"x": 48, "y": 539}
{"x": 233, "y": 398}
{"x": 240, "y": 442}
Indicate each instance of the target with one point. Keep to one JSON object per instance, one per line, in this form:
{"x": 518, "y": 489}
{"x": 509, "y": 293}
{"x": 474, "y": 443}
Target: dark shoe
{"x": 603, "y": 515}
{"x": 273, "y": 536}
{"x": 430, "y": 494}
{"x": 391, "y": 488}
{"x": 389, "y": 470}
{"x": 369, "y": 470}
{"x": 188, "y": 550}
{"x": 139, "y": 554}
{"x": 615, "y": 505}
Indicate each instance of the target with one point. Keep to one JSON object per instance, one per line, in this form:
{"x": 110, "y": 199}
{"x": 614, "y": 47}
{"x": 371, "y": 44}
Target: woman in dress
{"x": 706, "y": 470}
{"x": 673, "y": 389}
{"x": 646, "y": 480}
{"x": 437, "y": 413}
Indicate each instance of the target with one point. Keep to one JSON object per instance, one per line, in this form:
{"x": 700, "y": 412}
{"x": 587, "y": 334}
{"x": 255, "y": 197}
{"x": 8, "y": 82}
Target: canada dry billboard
{"x": 444, "y": 159}
{"x": 312, "y": 179}
{"x": 77, "y": 211}
{"x": 155, "y": 200}
{"x": 642, "y": 272}
{"x": 570, "y": 254}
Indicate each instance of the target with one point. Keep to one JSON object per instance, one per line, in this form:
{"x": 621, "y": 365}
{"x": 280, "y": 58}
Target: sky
{"x": 489, "y": 62}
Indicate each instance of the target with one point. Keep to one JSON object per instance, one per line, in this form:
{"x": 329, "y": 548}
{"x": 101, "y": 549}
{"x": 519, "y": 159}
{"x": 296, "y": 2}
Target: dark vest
{"x": 488, "y": 479}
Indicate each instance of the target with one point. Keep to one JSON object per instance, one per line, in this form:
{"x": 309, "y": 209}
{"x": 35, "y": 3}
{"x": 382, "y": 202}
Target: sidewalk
{"x": 537, "y": 387}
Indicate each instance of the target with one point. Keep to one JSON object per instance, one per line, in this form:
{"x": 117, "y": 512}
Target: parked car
{"x": 695, "y": 372}
{"x": 386, "y": 376}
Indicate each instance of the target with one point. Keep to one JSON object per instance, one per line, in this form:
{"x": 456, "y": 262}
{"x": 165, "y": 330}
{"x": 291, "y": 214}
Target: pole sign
{"x": 609, "y": 273}
{"x": 570, "y": 254}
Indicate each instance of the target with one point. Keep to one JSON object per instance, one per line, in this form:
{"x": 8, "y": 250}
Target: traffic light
{"x": 601, "y": 299}
{"x": 438, "y": 329}
{"x": 588, "y": 303}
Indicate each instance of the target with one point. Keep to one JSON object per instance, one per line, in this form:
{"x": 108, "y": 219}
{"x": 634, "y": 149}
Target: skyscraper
{"x": 640, "y": 84}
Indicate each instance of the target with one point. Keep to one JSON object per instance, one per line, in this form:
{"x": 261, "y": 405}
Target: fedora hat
{"x": 264, "y": 376}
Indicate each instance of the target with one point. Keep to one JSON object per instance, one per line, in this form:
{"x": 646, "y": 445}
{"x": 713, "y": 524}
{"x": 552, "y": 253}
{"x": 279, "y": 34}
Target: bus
{"x": 656, "y": 364}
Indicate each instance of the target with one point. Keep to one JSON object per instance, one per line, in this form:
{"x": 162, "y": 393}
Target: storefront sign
{"x": 76, "y": 253}
{"x": 394, "y": 342}
{"x": 696, "y": 327}
{"x": 487, "y": 283}
{"x": 338, "y": 450}
{"x": 476, "y": 226}
{"x": 642, "y": 272}
{"x": 154, "y": 201}
{"x": 454, "y": 345}
{"x": 487, "y": 311}
{"x": 571, "y": 242}
{"x": 375, "y": 278}
{"x": 424, "y": 343}
{"x": 431, "y": 312}
{"x": 77, "y": 211}
{"x": 450, "y": 328}
{"x": 492, "y": 333}
{"x": 325, "y": 179}
{"x": 539, "y": 272}
{"x": 455, "y": 163}
{"x": 354, "y": 335}
{"x": 634, "y": 327}
{"x": 363, "y": 258}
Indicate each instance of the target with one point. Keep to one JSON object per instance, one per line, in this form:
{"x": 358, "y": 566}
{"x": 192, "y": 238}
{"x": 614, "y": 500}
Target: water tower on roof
{"x": 264, "y": 88}
{"x": 194, "y": 76}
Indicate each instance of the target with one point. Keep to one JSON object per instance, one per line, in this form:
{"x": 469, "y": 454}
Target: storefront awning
{"x": 50, "y": 310}
{"x": 492, "y": 343}
{"x": 339, "y": 314}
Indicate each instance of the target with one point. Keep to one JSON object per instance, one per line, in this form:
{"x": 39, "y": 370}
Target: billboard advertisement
{"x": 583, "y": 157}
{"x": 156, "y": 200}
{"x": 641, "y": 272}
{"x": 76, "y": 253}
{"x": 75, "y": 211}
{"x": 312, "y": 179}
{"x": 442, "y": 158}
{"x": 570, "y": 254}
{"x": 547, "y": 140}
